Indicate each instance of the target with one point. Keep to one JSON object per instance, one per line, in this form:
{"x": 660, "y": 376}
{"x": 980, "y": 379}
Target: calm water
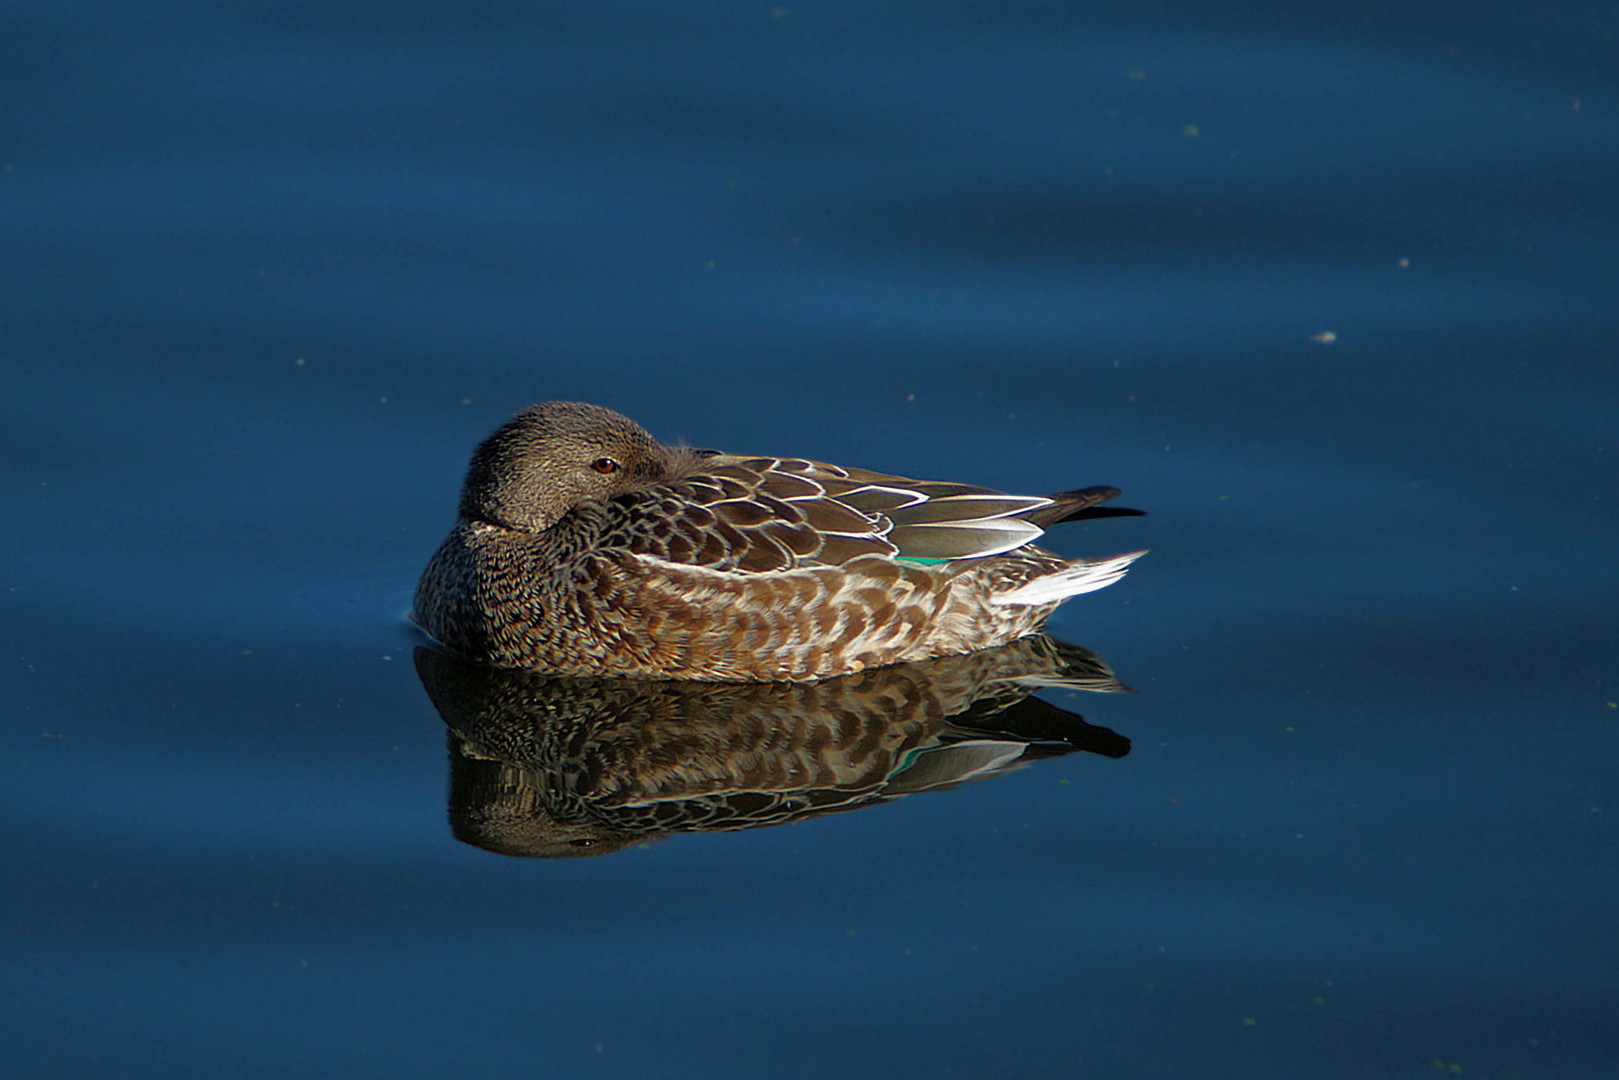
{"x": 1327, "y": 288}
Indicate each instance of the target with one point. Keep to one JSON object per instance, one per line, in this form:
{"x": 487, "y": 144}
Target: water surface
{"x": 1328, "y": 289}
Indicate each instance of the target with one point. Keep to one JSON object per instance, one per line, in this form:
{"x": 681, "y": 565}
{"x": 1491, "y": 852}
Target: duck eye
{"x": 604, "y": 465}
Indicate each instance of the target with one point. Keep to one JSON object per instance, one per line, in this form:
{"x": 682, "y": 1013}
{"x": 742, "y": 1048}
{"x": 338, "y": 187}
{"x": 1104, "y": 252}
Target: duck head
{"x": 553, "y": 456}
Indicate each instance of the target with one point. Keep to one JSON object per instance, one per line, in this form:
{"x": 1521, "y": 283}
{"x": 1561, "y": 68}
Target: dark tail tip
{"x": 1081, "y": 505}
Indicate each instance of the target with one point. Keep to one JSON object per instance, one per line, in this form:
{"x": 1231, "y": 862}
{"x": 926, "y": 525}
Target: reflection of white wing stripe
{"x": 1072, "y": 580}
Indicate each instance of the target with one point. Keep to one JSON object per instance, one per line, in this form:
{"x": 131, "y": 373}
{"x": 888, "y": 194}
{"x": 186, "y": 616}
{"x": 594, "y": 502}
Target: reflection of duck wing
{"x": 1047, "y": 729}
{"x": 955, "y": 763}
{"x": 546, "y": 765}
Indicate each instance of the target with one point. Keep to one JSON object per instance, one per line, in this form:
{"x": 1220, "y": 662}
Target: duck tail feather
{"x": 1080, "y": 576}
{"x": 1080, "y": 505}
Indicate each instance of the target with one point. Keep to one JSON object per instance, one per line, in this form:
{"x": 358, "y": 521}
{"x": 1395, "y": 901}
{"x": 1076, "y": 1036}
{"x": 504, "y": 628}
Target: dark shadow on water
{"x": 553, "y": 766}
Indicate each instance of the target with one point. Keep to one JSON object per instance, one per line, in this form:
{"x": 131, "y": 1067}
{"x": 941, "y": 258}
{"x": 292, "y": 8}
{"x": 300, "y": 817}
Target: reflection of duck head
{"x": 564, "y": 765}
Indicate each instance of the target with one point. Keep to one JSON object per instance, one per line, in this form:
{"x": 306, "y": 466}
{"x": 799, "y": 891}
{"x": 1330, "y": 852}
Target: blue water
{"x": 1326, "y": 288}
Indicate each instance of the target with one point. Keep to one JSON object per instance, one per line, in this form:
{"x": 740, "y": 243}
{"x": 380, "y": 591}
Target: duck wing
{"x": 761, "y": 514}
{"x": 750, "y": 515}
{"x": 936, "y": 519}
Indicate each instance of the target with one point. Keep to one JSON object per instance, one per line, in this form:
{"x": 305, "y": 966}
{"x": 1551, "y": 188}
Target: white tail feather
{"x": 1071, "y": 580}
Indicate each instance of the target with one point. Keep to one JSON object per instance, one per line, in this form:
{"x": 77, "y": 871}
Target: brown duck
{"x": 586, "y": 547}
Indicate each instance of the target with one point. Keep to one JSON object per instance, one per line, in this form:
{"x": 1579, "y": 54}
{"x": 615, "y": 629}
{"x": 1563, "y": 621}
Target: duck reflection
{"x": 548, "y": 766}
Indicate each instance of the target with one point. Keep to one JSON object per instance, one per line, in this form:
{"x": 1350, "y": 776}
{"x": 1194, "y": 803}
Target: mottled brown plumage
{"x": 586, "y": 547}
{"x": 547, "y": 765}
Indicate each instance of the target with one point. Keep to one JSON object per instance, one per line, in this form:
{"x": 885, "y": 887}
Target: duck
{"x": 584, "y": 546}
